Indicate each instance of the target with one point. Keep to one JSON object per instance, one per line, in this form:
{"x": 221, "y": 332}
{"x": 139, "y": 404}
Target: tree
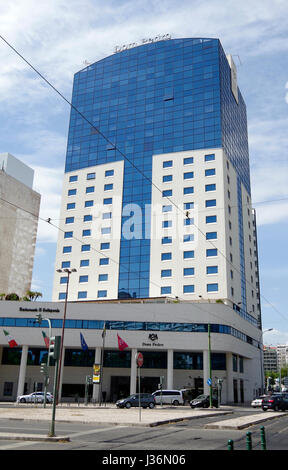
{"x": 12, "y": 296}
{"x": 32, "y": 295}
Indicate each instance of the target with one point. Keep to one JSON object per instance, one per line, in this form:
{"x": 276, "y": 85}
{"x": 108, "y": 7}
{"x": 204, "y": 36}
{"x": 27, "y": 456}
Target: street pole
{"x": 210, "y": 368}
{"x": 68, "y": 271}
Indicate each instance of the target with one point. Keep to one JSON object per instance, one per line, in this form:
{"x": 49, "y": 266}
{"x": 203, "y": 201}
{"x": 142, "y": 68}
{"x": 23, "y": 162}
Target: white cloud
{"x": 275, "y": 337}
{"x": 48, "y": 182}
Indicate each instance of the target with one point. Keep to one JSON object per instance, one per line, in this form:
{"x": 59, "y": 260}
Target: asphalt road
{"x": 185, "y": 436}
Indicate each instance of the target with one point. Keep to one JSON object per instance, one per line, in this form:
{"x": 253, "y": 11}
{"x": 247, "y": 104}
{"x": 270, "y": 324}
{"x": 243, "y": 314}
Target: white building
{"x": 172, "y": 336}
{"x": 19, "y": 207}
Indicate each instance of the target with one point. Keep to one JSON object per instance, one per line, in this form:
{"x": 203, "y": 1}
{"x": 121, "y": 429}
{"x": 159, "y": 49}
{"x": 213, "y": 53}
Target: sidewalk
{"x": 111, "y": 415}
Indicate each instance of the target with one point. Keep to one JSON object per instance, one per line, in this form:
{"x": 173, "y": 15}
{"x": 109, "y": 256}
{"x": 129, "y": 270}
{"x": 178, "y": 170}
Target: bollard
{"x": 263, "y": 438}
{"x": 248, "y": 441}
{"x": 230, "y": 444}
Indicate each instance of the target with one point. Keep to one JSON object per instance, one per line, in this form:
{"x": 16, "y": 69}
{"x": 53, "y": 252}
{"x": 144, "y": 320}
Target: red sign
{"x": 139, "y": 359}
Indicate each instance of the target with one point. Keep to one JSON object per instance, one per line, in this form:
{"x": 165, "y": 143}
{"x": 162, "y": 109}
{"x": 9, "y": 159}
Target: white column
{"x": 96, "y": 387}
{"x": 133, "y": 372}
{"x": 229, "y": 372}
{"x": 170, "y": 364}
{"x": 206, "y": 371}
{"x": 22, "y": 370}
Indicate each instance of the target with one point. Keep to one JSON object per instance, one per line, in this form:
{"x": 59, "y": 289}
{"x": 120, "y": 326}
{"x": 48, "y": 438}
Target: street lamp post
{"x": 68, "y": 272}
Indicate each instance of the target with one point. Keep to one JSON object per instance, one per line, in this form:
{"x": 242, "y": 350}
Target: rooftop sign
{"x": 163, "y": 37}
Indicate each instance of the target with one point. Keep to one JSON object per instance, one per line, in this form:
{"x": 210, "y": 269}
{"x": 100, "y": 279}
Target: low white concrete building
{"x": 172, "y": 336}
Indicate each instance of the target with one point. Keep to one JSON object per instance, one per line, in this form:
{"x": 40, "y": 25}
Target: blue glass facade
{"x": 162, "y": 97}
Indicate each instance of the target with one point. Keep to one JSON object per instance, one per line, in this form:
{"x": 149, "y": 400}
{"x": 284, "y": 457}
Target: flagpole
{"x": 102, "y": 363}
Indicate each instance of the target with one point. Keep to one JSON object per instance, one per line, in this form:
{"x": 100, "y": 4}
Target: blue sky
{"x": 57, "y": 37}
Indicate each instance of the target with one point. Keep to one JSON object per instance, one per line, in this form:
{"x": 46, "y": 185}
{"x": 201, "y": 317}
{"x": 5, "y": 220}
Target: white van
{"x": 169, "y": 397}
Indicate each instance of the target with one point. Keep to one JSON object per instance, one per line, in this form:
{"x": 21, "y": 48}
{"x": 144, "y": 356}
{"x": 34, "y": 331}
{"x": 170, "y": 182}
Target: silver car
{"x": 36, "y": 397}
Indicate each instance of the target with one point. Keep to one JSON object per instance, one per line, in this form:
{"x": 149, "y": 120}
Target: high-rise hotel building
{"x": 156, "y": 195}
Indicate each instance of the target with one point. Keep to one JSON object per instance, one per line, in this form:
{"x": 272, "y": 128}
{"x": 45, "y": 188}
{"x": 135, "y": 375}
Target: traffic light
{"x": 39, "y": 318}
{"x": 54, "y": 347}
{"x": 44, "y": 368}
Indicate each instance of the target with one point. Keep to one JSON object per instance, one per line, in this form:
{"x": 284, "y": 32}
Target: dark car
{"x": 146, "y": 401}
{"x": 203, "y": 401}
{"x": 275, "y": 402}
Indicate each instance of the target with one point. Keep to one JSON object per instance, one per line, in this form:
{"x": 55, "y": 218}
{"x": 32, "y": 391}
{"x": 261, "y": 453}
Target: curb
{"x": 33, "y": 437}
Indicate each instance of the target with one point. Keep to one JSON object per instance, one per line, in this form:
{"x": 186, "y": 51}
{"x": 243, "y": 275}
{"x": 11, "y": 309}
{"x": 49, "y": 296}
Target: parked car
{"x": 36, "y": 397}
{"x": 203, "y": 401}
{"x": 146, "y": 401}
{"x": 257, "y": 402}
{"x": 275, "y": 402}
{"x": 169, "y": 397}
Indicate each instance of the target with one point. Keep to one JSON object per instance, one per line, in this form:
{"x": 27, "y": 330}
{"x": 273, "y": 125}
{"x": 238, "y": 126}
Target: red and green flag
{"x": 11, "y": 341}
{"x": 46, "y": 339}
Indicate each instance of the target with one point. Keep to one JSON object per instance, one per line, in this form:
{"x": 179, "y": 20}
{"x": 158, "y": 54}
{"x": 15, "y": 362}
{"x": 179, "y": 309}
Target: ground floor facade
{"x": 172, "y": 337}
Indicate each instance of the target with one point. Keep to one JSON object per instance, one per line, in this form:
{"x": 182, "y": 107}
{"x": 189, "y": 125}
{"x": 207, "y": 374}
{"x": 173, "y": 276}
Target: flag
{"x": 104, "y": 331}
{"x": 11, "y": 340}
{"x": 84, "y": 345}
{"x": 121, "y": 343}
{"x": 46, "y": 339}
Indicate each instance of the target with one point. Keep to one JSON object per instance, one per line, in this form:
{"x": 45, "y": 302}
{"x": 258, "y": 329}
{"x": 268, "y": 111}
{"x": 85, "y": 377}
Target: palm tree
{"x": 32, "y": 295}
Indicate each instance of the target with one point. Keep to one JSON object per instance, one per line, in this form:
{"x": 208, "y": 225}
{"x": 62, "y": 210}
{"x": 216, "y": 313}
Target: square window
{"x": 91, "y": 176}
{"x": 63, "y": 280}
{"x": 87, "y": 218}
{"x": 165, "y": 290}
{"x": 104, "y": 246}
{"x": 167, "y": 178}
{"x": 212, "y": 270}
{"x": 85, "y": 248}
{"x": 83, "y": 278}
{"x": 212, "y": 287}
{"x": 82, "y": 295}
{"x": 68, "y": 235}
{"x": 188, "y": 190}
{"x": 189, "y": 237}
{"x": 188, "y": 254}
{"x": 107, "y": 201}
{"x": 189, "y": 289}
{"x": 210, "y": 187}
{"x": 211, "y": 219}
{"x": 188, "y": 175}
{"x": 65, "y": 264}
{"x": 166, "y": 208}
{"x": 166, "y": 273}
{"x": 103, "y": 261}
{"x": 86, "y": 233}
{"x": 67, "y": 249}
{"x": 211, "y": 252}
{"x": 84, "y": 263}
{"x": 103, "y": 277}
{"x": 210, "y": 157}
{"x": 166, "y": 240}
{"x": 211, "y": 235}
{"x": 70, "y": 206}
{"x": 109, "y": 173}
{"x": 210, "y": 203}
{"x": 188, "y": 271}
{"x": 69, "y": 220}
{"x": 166, "y": 223}
{"x": 73, "y": 178}
{"x": 188, "y": 160}
{"x": 62, "y": 296}
{"x": 102, "y": 293}
{"x": 90, "y": 189}
{"x": 72, "y": 192}
{"x": 107, "y": 215}
{"x": 108, "y": 187}
{"x": 210, "y": 172}
{"x": 167, "y": 192}
{"x": 89, "y": 203}
{"x": 166, "y": 256}
{"x": 188, "y": 205}
{"x": 168, "y": 164}
{"x": 105, "y": 230}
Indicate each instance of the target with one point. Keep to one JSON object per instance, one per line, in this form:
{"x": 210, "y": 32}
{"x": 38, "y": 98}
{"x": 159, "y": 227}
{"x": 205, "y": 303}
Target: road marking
{"x": 17, "y": 444}
{"x": 95, "y": 431}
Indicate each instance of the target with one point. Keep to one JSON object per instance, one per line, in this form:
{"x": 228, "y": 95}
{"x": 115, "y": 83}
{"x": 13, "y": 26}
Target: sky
{"x": 58, "y": 38}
